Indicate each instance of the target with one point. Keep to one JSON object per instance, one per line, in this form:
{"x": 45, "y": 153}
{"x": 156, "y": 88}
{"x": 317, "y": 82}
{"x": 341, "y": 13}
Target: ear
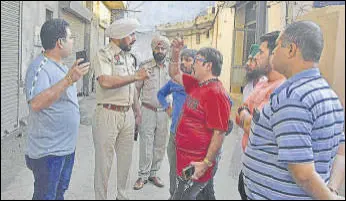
{"x": 59, "y": 43}
{"x": 209, "y": 66}
{"x": 292, "y": 50}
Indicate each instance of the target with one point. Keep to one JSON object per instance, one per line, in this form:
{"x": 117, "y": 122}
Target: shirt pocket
{"x": 119, "y": 70}
{"x": 150, "y": 83}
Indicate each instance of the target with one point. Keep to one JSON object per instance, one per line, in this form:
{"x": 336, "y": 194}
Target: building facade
{"x": 20, "y": 43}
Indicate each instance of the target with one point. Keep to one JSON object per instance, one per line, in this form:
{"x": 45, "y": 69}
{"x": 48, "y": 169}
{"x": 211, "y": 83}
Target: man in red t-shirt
{"x": 203, "y": 121}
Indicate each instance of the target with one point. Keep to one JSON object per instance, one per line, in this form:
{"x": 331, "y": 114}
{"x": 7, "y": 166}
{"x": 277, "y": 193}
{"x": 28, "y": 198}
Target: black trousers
{"x": 241, "y": 187}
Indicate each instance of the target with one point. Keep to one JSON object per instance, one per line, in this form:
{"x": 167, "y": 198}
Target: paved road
{"x": 17, "y": 180}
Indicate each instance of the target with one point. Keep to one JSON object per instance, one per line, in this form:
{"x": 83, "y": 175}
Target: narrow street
{"x": 81, "y": 186}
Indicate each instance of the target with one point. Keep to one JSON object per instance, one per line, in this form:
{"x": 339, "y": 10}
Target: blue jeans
{"x": 52, "y": 176}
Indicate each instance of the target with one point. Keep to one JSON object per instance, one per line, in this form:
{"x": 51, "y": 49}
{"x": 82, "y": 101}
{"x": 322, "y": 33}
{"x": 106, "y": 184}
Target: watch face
{"x": 256, "y": 115}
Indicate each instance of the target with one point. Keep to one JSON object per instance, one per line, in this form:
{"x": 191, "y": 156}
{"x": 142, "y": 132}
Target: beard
{"x": 124, "y": 47}
{"x": 185, "y": 70}
{"x": 159, "y": 57}
{"x": 256, "y": 74}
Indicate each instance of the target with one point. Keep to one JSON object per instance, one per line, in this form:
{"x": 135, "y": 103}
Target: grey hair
{"x": 308, "y": 37}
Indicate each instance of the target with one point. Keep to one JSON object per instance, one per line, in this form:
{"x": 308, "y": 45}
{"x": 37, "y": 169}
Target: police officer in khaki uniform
{"x": 153, "y": 130}
{"x": 114, "y": 119}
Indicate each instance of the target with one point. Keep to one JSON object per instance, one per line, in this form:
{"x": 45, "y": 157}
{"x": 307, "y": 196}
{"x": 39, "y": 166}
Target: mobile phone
{"x": 188, "y": 172}
{"x": 80, "y": 55}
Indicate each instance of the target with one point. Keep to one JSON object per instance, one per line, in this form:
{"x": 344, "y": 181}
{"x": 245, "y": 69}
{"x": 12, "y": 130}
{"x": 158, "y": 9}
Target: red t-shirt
{"x": 206, "y": 108}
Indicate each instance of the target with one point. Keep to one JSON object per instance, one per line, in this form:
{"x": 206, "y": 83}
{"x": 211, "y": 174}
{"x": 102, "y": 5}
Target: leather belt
{"x": 155, "y": 109}
{"x": 117, "y": 108}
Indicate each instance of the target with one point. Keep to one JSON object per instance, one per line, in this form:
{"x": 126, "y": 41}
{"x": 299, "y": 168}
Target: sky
{"x": 161, "y": 12}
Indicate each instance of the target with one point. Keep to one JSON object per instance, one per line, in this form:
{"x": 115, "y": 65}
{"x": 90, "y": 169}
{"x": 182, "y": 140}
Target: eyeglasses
{"x": 199, "y": 59}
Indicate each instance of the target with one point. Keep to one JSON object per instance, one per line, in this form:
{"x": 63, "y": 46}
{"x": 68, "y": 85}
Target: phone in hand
{"x": 80, "y": 55}
{"x": 188, "y": 172}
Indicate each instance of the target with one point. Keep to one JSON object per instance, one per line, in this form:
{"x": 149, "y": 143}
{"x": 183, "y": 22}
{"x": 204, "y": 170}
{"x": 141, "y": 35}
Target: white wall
{"x": 34, "y": 15}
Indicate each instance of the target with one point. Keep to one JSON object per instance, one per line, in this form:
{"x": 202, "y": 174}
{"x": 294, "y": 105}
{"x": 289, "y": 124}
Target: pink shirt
{"x": 257, "y": 99}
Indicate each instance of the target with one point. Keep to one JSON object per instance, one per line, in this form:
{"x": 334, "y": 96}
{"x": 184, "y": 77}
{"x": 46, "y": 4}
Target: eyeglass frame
{"x": 199, "y": 59}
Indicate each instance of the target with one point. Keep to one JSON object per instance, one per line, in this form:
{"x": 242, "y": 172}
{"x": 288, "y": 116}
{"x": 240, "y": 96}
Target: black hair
{"x": 52, "y": 31}
{"x": 215, "y": 57}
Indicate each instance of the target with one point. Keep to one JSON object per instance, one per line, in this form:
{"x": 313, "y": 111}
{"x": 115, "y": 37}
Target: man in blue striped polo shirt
{"x": 296, "y": 147}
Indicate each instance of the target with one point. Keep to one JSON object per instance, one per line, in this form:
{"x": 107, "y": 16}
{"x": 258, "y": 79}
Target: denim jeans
{"x": 52, "y": 176}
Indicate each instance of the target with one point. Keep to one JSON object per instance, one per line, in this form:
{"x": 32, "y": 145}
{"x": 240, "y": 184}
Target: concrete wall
{"x": 34, "y": 15}
{"x": 332, "y": 64}
{"x": 224, "y": 28}
{"x": 281, "y": 13}
{"x": 276, "y": 18}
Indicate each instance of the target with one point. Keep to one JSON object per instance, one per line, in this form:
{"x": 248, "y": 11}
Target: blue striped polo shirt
{"x": 302, "y": 123}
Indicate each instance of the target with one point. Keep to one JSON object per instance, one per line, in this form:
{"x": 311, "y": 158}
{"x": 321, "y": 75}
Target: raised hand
{"x": 176, "y": 46}
{"x": 76, "y": 72}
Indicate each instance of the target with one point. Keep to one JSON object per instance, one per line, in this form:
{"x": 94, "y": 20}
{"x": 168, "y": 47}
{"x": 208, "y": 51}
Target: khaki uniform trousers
{"x": 113, "y": 139}
{"x": 153, "y": 134}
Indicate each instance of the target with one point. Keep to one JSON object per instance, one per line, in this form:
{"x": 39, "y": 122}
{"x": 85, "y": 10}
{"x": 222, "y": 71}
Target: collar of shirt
{"x": 160, "y": 65}
{"x": 114, "y": 49}
{"x": 61, "y": 66}
{"x": 312, "y": 72}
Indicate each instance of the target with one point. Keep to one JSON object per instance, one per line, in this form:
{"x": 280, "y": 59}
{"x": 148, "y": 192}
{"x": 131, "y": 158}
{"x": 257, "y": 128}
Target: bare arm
{"x": 174, "y": 70}
{"x": 49, "y": 96}
{"x": 307, "y": 178}
{"x": 115, "y": 81}
{"x": 337, "y": 177}
{"x": 215, "y": 144}
{"x": 136, "y": 107}
{"x": 245, "y": 121}
{"x": 175, "y": 73}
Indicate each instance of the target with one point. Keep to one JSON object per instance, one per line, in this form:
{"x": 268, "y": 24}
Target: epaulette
{"x": 149, "y": 63}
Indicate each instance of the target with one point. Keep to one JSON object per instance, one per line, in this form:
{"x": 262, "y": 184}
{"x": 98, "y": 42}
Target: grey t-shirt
{"x": 53, "y": 130}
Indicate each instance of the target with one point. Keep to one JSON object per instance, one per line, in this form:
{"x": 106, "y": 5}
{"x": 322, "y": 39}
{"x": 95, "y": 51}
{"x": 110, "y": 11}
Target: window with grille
{"x": 198, "y": 38}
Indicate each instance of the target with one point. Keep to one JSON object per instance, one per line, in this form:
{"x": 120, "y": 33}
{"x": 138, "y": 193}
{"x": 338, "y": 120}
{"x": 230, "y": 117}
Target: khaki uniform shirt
{"x": 158, "y": 78}
{"x": 111, "y": 60}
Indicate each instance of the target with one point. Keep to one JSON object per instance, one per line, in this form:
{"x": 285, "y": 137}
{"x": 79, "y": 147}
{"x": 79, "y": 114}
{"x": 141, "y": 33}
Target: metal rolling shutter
{"x": 10, "y": 53}
{"x": 77, "y": 30}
